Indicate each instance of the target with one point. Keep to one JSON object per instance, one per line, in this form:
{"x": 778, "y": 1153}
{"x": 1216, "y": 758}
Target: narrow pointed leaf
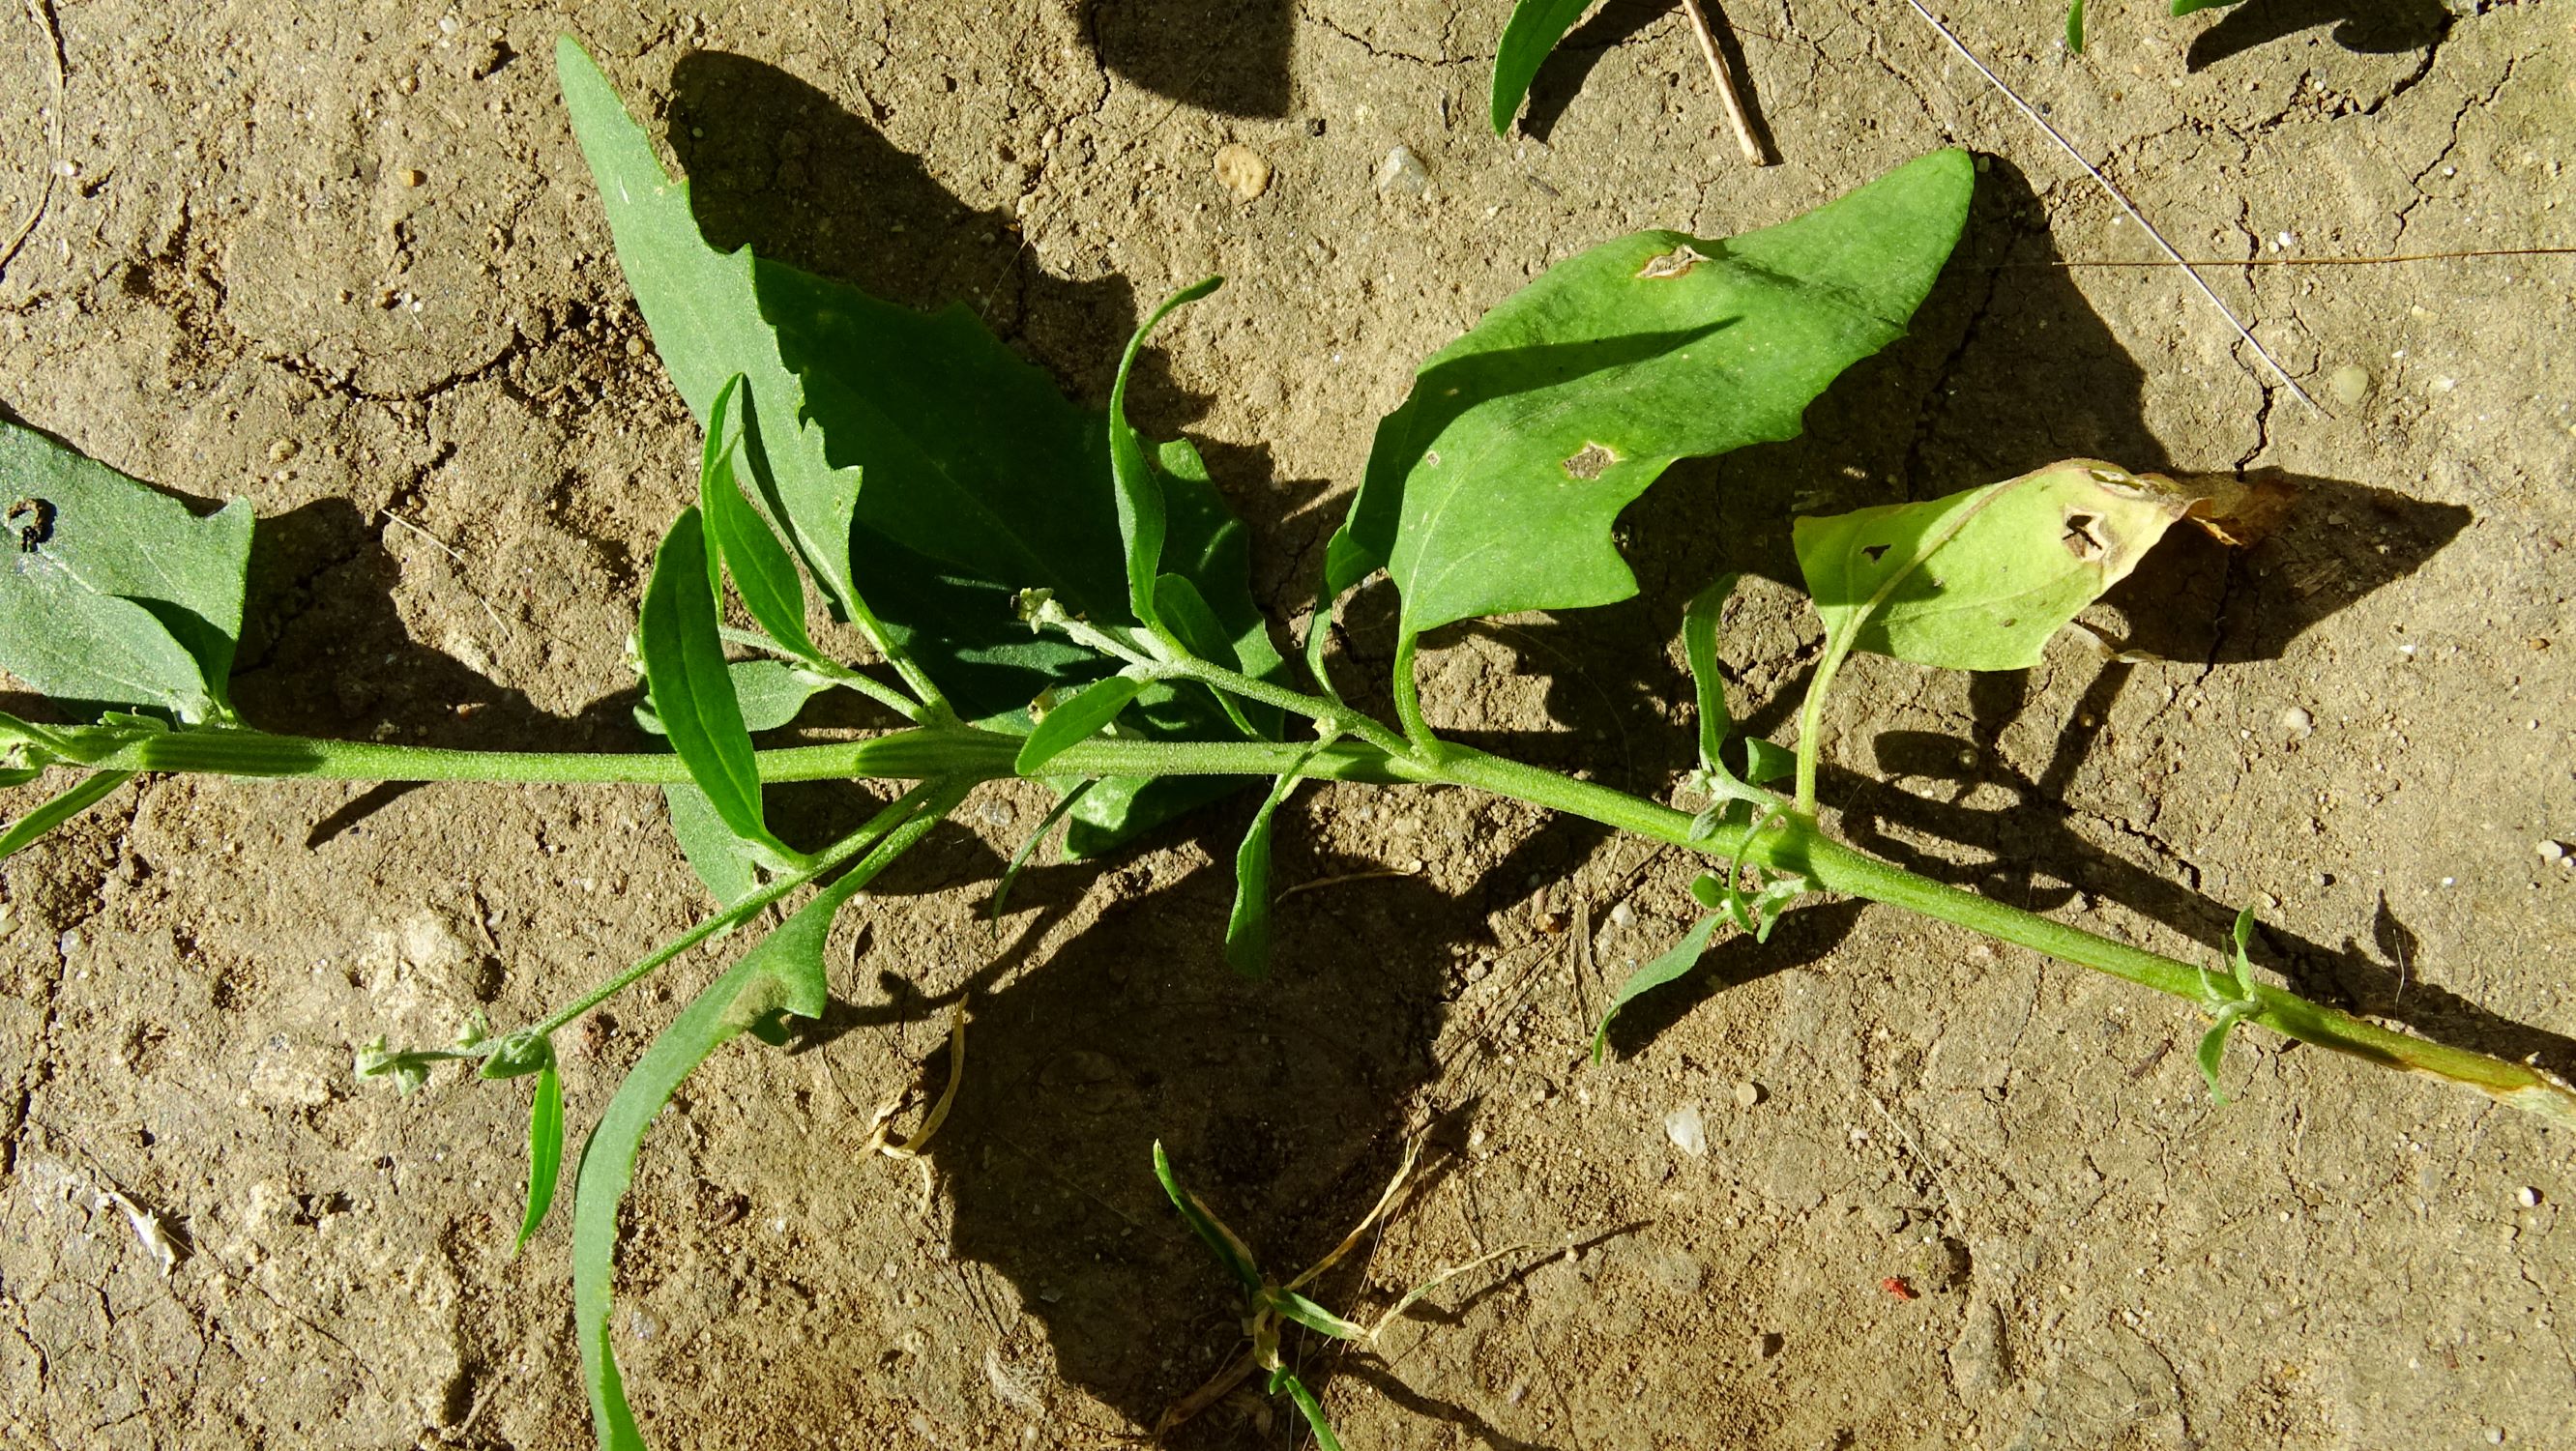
{"x": 692, "y": 691}
{"x": 1236, "y": 1255}
{"x": 2075, "y": 26}
{"x": 742, "y": 541}
{"x": 1981, "y": 579}
{"x": 1141, "y": 522}
{"x": 1247, "y": 927}
{"x": 112, "y": 592}
{"x": 1495, "y": 485}
{"x": 1684, "y": 956}
{"x": 1186, "y": 614}
{"x": 1528, "y": 37}
{"x": 782, "y": 976}
{"x": 1076, "y": 720}
{"x": 91, "y": 789}
{"x": 1765, "y": 762}
{"x": 545, "y": 1150}
{"x": 1311, "y": 1408}
{"x": 1019, "y": 859}
{"x": 1293, "y": 1306}
{"x": 1699, "y": 647}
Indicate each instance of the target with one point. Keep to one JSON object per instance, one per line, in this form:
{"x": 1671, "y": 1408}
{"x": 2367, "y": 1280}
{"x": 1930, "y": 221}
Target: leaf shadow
{"x": 1560, "y": 79}
{"x": 2364, "y": 27}
{"x": 1226, "y": 56}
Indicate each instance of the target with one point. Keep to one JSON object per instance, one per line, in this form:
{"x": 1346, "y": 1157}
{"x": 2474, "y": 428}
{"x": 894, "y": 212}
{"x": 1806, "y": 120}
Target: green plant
{"x": 1047, "y": 594}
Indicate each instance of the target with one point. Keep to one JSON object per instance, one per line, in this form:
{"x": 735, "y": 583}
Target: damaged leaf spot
{"x": 1876, "y": 552}
{"x": 32, "y": 520}
{"x": 1675, "y": 263}
{"x": 1591, "y": 461}
{"x": 2080, "y": 539}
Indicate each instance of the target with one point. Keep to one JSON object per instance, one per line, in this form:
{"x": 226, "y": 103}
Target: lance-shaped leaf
{"x": 86, "y": 793}
{"x": 1981, "y": 579}
{"x": 722, "y": 860}
{"x": 1677, "y": 962}
{"x": 1141, "y": 522}
{"x": 1076, "y": 720}
{"x": 1227, "y": 1246}
{"x": 545, "y": 1149}
{"x": 782, "y": 976}
{"x": 763, "y": 571}
{"x": 112, "y": 592}
{"x": 1494, "y": 487}
{"x": 1247, "y": 926}
{"x": 692, "y": 691}
{"x": 1699, "y": 647}
{"x": 1528, "y": 37}
{"x": 705, "y": 314}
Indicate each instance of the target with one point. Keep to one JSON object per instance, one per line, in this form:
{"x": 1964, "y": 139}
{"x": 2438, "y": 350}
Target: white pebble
{"x": 2298, "y": 722}
{"x": 2527, "y": 1197}
{"x": 1748, "y": 1094}
{"x": 1622, "y": 916}
{"x": 1402, "y": 171}
{"x": 1688, "y": 1134}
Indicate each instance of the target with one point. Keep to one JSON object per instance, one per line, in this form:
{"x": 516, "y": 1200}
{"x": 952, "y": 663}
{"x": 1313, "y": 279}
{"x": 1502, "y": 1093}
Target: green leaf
{"x": 1307, "y": 1405}
{"x": 1981, "y": 579}
{"x": 545, "y": 1150}
{"x": 1699, "y": 647}
{"x": 720, "y": 858}
{"x": 1076, "y": 720}
{"x": 706, "y": 316}
{"x": 1139, "y": 492}
{"x": 1765, "y": 762}
{"x": 763, "y": 572}
{"x": 1495, "y": 485}
{"x": 1532, "y": 32}
{"x": 783, "y": 975}
{"x": 2075, "y": 25}
{"x": 1293, "y": 1306}
{"x": 1247, "y": 927}
{"x": 982, "y": 480}
{"x": 2187, "y": 7}
{"x": 88, "y": 792}
{"x": 1236, "y": 1255}
{"x": 691, "y": 688}
{"x": 111, "y": 592}
{"x": 1684, "y": 956}
{"x": 769, "y": 693}
{"x": 1011, "y": 874}
{"x": 1186, "y": 614}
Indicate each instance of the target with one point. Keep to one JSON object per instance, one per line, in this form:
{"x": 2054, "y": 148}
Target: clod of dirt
{"x": 1402, "y": 173}
{"x": 1244, "y": 171}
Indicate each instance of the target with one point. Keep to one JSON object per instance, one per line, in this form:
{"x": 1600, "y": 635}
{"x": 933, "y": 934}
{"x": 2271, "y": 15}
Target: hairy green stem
{"x": 960, "y": 755}
{"x": 1408, "y": 699}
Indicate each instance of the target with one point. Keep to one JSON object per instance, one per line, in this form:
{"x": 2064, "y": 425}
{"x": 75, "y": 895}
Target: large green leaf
{"x": 982, "y": 479}
{"x": 111, "y": 592}
{"x": 1495, "y": 485}
{"x": 1981, "y": 579}
{"x": 705, "y": 315}
{"x": 1533, "y": 31}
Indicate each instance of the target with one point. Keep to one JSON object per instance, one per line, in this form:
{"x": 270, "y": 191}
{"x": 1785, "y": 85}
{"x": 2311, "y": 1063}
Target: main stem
{"x": 1794, "y": 844}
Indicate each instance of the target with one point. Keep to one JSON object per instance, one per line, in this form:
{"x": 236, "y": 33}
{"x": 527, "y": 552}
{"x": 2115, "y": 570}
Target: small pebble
{"x": 1748, "y": 1093}
{"x": 2552, "y": 852}
{"x": 2349, "y": 383}
{"x": 1688, "y": 1134}
{"x": 1242, "y": 170}
{"x": 281, "y": 450}
{"x": 412, "y": 178}
{"x": 1623, "y": 916}
{"x": 1403, "y": 172}
{"x": 2298, "y": 722}
{"x": 2527, "y": 1197}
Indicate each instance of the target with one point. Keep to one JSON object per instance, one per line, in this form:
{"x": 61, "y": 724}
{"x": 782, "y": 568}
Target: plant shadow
{"x": 1226, "y": 56}
{"x": 2365, "y": 27}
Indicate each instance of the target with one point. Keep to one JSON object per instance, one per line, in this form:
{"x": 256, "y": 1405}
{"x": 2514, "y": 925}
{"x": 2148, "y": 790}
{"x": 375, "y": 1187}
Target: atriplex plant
{"x": 1051, "y": 596}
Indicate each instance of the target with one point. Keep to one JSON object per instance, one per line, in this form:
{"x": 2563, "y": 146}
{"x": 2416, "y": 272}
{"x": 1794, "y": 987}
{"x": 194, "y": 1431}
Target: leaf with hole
{"x": 1495, "y": 485}
{"x": 1980, "y": 580}
{"x": 113, "y": 593}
